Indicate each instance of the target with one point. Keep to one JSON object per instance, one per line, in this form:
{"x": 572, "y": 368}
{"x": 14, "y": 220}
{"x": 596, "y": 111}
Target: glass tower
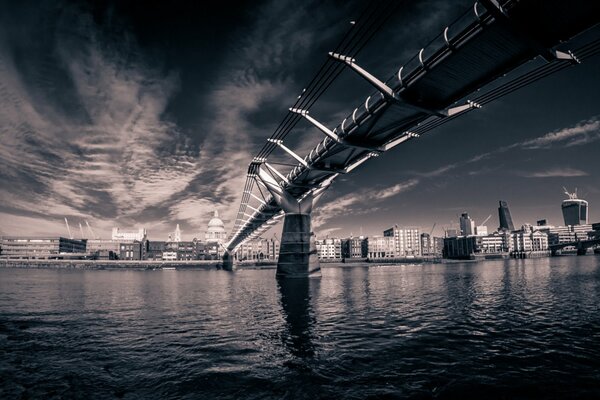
{"x": 506, "y": 223}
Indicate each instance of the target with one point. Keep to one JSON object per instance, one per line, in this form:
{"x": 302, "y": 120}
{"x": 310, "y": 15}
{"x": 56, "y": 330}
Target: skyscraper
{"x": 506, "y": 223}
{"x": 575, "y": 211}
{"x": 467, "y": 225}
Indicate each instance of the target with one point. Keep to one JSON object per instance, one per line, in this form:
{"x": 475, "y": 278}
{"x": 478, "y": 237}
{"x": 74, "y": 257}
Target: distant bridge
{"x": 580, "y": 245}
{"x": 443, "y": 81}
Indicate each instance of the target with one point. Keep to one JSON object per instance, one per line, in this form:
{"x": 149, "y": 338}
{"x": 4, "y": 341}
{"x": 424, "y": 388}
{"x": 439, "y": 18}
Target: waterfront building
{"x": 355, "y": 247}
{"x": 566, "y": 234}
{"x": 169, "y": 255}
{"x": 467, "y": 225}
{"x": 506, "y": 222}
{"x": 528, "y": 239}
{"x": 461, "y": 247}
{"x": 329, "y": 249}
{"x": 272, "y": 248}
{"x": 128, "y": 235}
{"x": 94, "y": 246}
{"x": 407, "y": 241}
{"x": 156, "y": 248}
{"x": 426, "y": 244}
{"x": 381, "y": 247}
{"x": 21, "y": 247}
{"x": 131, "y": 251}
{"x": 574, "y": 210}
{"x": 495, "y": 243}
{"x": 431, "y": 246}
{"x": 251, "y": 250}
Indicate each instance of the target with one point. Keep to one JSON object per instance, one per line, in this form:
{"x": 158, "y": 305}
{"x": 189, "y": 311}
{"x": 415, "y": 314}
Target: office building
{"x": 329, "y": 249}
{"x": 406, "y": 241}
{"x": 467, "y": 225}
{"x": 355, "y": 247}
{"x": 381, "y": 247}
{"x": 574, "y": 210}
{"x": 101, "y": 245}
{"x": 20, "y": 247}
{"x": 528, "y": 239}
{"x": 506, "y": 222}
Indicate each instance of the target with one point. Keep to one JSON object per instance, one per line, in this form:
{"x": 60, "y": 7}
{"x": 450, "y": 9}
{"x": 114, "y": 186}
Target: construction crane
{"x": 68, "y": 229}
{"x": 81, "y": 230}
{"x": 432, "y": 228}
{"x": 486, "y": 220}
{"x": 90, "y": 229}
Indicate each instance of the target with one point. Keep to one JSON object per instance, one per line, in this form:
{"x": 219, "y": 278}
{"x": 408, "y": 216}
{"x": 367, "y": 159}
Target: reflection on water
{"x": 499, "y": 329}
{"x": 296, "y": 305}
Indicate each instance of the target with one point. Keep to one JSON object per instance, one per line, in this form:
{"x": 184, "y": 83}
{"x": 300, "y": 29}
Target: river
{"x": 496, "y": 329}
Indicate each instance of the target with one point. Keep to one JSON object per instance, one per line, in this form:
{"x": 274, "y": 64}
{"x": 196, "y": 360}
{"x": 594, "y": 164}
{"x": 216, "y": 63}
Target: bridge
{"x": 450, "y": 77}
{"x": 580, "y": 245}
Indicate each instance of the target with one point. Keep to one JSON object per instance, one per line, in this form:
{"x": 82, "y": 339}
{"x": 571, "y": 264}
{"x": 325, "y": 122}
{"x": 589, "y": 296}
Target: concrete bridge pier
{"x": 228, "y": 261}
{"x": 298, "y": 251}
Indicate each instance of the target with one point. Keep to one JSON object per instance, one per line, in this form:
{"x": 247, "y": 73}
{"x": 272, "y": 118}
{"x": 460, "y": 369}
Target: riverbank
{"x": 196, "y": 264}
{"x": 111, "y": 264}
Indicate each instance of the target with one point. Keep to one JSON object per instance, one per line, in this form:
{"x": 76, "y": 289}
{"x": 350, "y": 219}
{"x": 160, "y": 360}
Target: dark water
{"x": 514, "y": 329}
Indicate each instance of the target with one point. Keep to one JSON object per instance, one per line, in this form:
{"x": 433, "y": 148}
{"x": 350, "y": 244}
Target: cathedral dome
{"x": 216, "y": 222}
{"x": 216, "y": 229}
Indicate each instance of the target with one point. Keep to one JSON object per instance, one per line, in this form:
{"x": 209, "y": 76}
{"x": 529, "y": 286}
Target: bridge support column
{"x": 228, "y": 264}
{"x": 298, "y": 251}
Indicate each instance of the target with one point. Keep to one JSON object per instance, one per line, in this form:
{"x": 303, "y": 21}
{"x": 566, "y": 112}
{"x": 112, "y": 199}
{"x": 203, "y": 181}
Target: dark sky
{"x": 128, "y": 113}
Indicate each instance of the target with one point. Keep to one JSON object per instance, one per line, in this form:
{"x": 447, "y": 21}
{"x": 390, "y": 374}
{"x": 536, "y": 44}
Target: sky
{"x": 129, "y": 113}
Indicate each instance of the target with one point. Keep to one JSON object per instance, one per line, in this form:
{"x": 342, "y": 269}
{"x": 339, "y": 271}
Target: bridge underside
{"x": 485, "y": 44}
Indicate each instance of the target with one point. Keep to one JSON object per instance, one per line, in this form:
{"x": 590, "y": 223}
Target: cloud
{"x": 555, "y": 172}
{"x": 583, "y": 132}
{"x": 104, "y": 148}
{"x": 360, "y": 202}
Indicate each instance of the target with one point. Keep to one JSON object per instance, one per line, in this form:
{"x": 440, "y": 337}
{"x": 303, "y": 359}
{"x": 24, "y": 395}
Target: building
{"x": 156, "y": 248}
{"x": 495, "y": 243}
{"x": 528, "y": 239}
{"x": 481, "y": 230}
{"x": 381, "y": 247}
{"x": 407, "y": 241}
{"x": 128, "y": 235}
{"x": 329, "y": 249}
{"x": 20, "y": 247}
{"x": 355, "y": 247}
{"x": 467, "y": 225}
{"x": 131, "y": 251}
{"x": 272, "y": 249}
{"x": 94, "y": 246}
{"x": 461, "y": 247}
{"x": 566, "y": 234}
{"x": 451, "y": 232}
{"x": 506, "y": 222}
{"x": 215, "y": 237}
{"x": 574, "y": 210}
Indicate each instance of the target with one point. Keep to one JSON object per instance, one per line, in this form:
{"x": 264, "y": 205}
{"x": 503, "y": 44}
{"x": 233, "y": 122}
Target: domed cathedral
{"x": 215, "y": 236}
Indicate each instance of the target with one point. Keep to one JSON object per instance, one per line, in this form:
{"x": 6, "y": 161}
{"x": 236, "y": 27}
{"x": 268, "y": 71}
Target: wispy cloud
{"x": 555, "y": 172}
{"x": 360, "y": 202}
{"x": 583, "y": 132}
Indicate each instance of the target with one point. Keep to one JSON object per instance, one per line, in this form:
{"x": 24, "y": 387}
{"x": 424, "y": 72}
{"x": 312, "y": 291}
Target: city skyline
{"x": 158, "y": 129}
